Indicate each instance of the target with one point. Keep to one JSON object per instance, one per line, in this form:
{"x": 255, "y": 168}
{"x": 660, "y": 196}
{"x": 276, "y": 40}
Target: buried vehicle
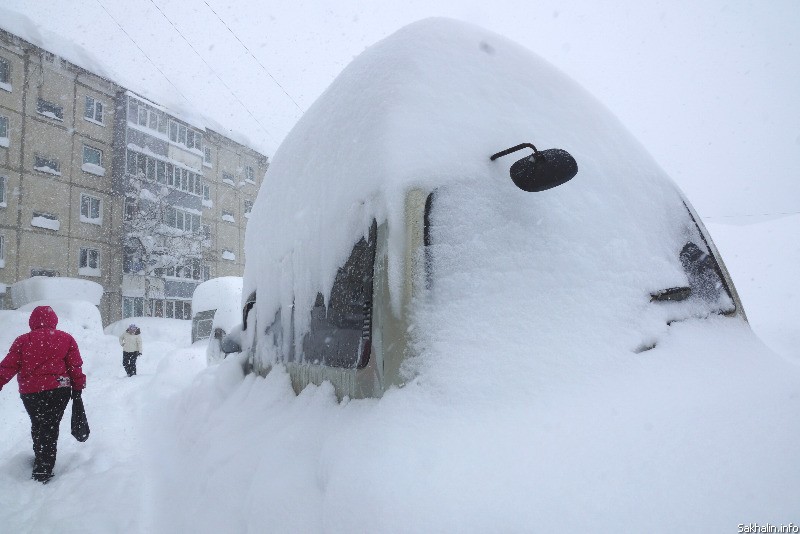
{"x": 453, "y": 196}
{"x": 215, "y": 308}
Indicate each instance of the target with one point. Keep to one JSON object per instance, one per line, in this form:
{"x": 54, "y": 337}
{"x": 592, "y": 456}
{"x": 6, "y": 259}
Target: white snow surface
{"x": 223, "y": 294}
{"x": 46, "y": 223}
{"x": 79, "y": 312}
{"x": 61, "y": 288}
{"x": 674, "y": 440}
{"x": 427, "y": 107}
{"x": 92, "y": 168}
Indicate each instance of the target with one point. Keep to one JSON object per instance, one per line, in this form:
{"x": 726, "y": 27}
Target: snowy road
{"x": 179, "y": 448}
{"x": 104, "y": 484}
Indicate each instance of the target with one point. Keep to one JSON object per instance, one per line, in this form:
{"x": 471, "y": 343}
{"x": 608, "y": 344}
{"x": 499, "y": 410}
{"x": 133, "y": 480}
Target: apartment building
{"x": 59, "y": 215}
{"x": 83, "y": 160}
{"x": 187, "y": 192}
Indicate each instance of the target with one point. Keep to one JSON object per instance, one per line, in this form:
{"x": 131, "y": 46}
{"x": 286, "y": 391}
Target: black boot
{"x": 44, "y": 478}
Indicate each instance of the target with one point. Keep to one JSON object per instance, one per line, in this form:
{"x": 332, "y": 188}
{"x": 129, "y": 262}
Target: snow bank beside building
{"x": 79, "y": 312}
{"x": 55, "y": 288}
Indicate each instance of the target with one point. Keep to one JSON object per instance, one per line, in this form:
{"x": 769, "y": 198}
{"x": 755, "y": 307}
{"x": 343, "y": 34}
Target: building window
{"x": 5, "y": 74}
{"x": 2, "y": 252}
{"x": 43, "y": 272}
{"x": 206, "y": 193}
{"x": 228, "y": 216}
{"x": 3, "y": 187}
{"x": 89, "y": 262}
{"x": 206, "y": 272}
{"x": 49, "y": 109}
{"x": 194, "y": 139}
{"x": 92, "y": 155}
{"x": 132, "y": 307}
{"x": 91, "y": 209}
{"x": 248, "y": 207}
{"x": 94, "y": 110}
{"x": 182, "y": 220}
{"x": 129, "y": 209}
{"x": 93, "y": 161}
{"x": 207, "y": 156}
{"x": 47, "y": 165}
{"x": 228, "y": 178}
{"x": 249, "y": 175}
{"x": 4, "y": 132}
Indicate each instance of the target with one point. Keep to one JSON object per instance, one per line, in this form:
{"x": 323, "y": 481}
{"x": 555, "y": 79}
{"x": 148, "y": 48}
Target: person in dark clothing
{"x": 48, "y": 366}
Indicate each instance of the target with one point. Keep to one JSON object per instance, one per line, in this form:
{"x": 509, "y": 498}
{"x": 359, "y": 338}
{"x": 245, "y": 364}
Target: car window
{"x": 340, "y": 333}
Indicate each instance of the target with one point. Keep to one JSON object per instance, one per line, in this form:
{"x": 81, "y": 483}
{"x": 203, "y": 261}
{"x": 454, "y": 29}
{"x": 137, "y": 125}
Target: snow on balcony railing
{"x": 45, "y": 222}
{"x": 91, "y": 168}
{"x": 91, "y": 220}
{"x": 50, "y": 115}
{"x": 88, "y": 271}
{"x": 48, "y": 170}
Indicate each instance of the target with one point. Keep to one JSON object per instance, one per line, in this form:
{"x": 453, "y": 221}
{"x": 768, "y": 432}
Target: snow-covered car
{"x": 215, "y": 305}
{"x": 422, "y": 218}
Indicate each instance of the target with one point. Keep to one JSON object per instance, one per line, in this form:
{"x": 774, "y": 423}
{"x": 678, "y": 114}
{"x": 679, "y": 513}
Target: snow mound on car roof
{"x": 427, "y": 107}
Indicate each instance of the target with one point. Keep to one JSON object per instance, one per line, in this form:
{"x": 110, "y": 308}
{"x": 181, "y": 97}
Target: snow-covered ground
{"x": 182, "y": 447}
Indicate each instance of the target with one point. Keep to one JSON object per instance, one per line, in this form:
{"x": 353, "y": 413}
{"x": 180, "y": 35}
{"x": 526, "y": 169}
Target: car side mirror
{"x": 542, "y": 170}
{"x": 232, "y": 342}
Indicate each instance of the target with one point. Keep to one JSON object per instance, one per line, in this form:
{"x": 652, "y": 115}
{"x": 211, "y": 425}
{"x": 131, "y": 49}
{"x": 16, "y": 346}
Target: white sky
{"x": 710, "y": 88}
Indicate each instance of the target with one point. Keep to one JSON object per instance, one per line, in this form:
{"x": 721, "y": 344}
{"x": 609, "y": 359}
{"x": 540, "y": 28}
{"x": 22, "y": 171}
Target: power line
{"x": 142, "y": 51}
{"x": 214, "y": 72}
{"x": 254, "y": 57}
{"x": 751, "y": 215}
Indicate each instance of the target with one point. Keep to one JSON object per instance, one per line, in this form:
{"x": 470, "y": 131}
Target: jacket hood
{"x": 43, "y": 317}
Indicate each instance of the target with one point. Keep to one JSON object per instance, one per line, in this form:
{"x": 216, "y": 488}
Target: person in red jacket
{"x": 48, "y": 368}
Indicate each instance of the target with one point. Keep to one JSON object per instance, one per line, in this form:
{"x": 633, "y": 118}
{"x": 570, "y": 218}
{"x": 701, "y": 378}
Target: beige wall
{"x": 13, "y": 99}
{"x": 28, "y": 247}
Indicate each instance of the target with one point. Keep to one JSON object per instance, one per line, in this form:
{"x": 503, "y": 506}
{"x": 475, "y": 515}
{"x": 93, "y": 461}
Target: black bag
{"x": 80, "y": 426}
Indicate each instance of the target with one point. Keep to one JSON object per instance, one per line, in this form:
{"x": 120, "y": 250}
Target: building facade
{"x": 84, "y": 162}
{"x": 187, "y": 193}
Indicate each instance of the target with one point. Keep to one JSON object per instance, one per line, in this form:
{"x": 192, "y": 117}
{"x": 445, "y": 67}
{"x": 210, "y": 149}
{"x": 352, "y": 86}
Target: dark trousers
{"x": 129, "y": 362}
{"x": 45, "y": 410}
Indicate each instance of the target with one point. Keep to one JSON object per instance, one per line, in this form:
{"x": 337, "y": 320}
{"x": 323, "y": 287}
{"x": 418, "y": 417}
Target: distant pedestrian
{"x": 131, "y": 341}
{"x": 48, "y": 368}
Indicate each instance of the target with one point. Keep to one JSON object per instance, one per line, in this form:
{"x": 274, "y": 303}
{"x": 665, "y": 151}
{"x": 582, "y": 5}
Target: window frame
{"x": 3, "y": 191}
{"x": 5, "y": 66}
{"x": 84, "y": 255}
{"x": 96, "y": 107}
{"x": 87, "y": 218}
{"x": 89, "y": 262}
{"x": 2, "y": 251}
{"x": 4, "y": 125}
{"x": 90, "y": 148}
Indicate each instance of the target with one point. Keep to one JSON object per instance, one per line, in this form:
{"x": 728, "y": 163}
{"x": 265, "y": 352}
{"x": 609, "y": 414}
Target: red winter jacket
{"x": 44, "y": 358}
